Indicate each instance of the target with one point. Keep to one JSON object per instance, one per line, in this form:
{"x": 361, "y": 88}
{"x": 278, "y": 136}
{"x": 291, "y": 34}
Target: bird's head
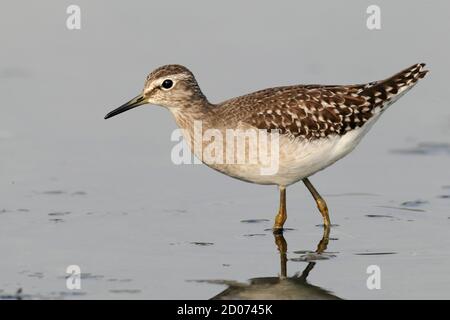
{"x": 171, "y": 86}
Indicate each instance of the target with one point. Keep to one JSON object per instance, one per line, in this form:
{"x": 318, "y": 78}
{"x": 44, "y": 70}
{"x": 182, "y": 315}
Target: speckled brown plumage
{"x": 318, "y": 111}
{"x": 319, "y": 124}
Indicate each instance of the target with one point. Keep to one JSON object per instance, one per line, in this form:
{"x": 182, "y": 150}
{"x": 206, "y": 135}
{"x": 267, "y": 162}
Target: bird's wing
{"x": 311, "y": 112}
{"x": 316, "y": 111}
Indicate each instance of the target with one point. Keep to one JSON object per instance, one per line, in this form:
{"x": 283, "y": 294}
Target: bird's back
{"x": 318, "y": 111}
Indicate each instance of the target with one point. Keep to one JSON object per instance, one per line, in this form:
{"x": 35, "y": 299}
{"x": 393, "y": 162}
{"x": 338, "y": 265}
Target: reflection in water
{"x": 282, "y": 287}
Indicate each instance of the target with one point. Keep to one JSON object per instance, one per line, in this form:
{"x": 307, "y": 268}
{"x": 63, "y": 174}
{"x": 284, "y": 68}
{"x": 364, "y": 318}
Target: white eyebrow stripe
{"x": 174, "y": 77}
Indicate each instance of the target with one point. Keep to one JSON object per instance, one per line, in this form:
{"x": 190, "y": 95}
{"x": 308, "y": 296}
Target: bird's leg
{"x": 282, "y": 248}
{"x": 323, "y": 244}
{"x": 321, "y": 204}
{"x": 281, "y": 217}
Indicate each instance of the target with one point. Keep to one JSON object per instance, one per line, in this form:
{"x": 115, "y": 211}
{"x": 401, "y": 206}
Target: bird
{"x": 314, "y": 125}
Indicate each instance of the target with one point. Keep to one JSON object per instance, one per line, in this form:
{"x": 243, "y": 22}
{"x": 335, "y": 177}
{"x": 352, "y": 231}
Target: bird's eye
{"x": 167, "y": 84}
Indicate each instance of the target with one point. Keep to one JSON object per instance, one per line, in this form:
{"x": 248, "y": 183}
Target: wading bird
{"x": 317, "y": 124}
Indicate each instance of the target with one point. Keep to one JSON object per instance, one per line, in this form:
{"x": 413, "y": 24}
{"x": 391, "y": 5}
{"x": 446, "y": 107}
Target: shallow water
{"x": 104, "y": 195}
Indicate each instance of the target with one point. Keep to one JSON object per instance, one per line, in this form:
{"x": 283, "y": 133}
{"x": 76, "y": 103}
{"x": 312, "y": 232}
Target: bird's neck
{"x": 198, "y": 111}
{"x": 193, "y": 119}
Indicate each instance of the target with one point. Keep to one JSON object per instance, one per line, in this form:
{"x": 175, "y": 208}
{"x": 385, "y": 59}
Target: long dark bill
{"x": 133, "y": 103}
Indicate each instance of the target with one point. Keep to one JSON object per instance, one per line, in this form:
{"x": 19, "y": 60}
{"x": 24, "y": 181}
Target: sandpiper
{"x": 317, "y": 124}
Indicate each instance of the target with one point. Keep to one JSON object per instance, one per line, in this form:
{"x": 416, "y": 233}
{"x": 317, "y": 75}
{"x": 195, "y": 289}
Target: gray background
{"x": 129, "y": 216}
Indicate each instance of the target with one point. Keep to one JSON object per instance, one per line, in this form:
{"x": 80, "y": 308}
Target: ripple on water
{"x": 59, "y": 213}
{"x": 426, "y": 148}
{"x": 333, "y": 225}
{"x": 374, "y": 253}
{"x": 118, "y": 280}
{"x": 379, "y": 216}
{"x": 202, "y": 244}
{"x": 402, "y": 208}
{"x": 38, "y": 275}
{"x": 79, "y": 193}
{"x": 87, "y": 275}
{"x": 414, "y": 203}
{"x": 129, "y": 291}
{"x": 54, "y": 192}
{"x": 254, "y": 220}
{"x": 175, "y": 211}
{"x": 310, "y": 256}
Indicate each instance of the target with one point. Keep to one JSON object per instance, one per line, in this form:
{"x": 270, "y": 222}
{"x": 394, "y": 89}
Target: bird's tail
{"x": 385, "y": 92}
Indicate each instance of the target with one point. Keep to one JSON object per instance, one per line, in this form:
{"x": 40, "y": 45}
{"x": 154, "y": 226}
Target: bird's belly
{"x": 298, "y": 159}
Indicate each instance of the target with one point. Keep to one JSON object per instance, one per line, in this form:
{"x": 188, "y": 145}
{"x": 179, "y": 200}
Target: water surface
{"x": 104, "y": 195}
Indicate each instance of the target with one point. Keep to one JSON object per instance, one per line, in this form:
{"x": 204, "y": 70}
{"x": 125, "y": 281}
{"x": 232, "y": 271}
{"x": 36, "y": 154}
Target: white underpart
{"x": 300, "y": 159}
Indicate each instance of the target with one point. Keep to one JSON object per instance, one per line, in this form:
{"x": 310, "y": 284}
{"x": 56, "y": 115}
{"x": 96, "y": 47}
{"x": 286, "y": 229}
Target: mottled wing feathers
{"x": 385, "y": 92}
{"x": 312, "y": 112}
{"x": 316, "y": 111}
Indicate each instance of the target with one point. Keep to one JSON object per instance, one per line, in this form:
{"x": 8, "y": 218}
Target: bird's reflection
{"x": 281, "y": 287}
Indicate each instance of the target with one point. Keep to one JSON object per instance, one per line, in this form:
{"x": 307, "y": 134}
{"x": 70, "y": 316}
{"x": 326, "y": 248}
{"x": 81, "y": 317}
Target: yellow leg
{"x": 281, "y": 217}
{"x": 321, "y": 204}
{"x": 323, "y": 244}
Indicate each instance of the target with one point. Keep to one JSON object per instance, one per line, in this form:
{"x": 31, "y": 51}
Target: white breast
{"x": 297, "y": 159}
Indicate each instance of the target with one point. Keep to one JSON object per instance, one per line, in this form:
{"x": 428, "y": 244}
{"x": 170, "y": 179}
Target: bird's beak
{"x": 133, "y": 103}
